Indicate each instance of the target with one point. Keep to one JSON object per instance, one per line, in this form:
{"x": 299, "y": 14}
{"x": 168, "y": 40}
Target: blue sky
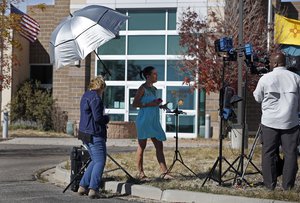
{"x": 22, "y": 5}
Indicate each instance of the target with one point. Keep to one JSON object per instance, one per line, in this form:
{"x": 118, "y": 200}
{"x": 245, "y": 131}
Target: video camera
{"x": 225, "y": 46}
{"x": 293, "y": 63}
{"x": 252, "y": 61}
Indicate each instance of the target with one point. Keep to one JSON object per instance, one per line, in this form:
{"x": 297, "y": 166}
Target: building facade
{"x": 149, "y": 37}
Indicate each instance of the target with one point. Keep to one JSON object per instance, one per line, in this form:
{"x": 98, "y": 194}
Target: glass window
{"x": 132, "y": 111}
{"x": 115, "y": 67}
{"x": 172, "y": 20}
{"x": 174, "y": 72}
{"x": 116, "y": 117}
{"x": 114, "y": 97}
{"x": 146, "y": 45}
{"x": 113, "y": 47}
{"x": 147, "y": 20}
{"x": 123, "y": 27}
{"x": 135, "y": 66}
{"x": 42, "y": 73}
{"x": 132, "y": 117}
{"x": 173, "y": 45}
{"x": 174, "y": 94}
{"x": 186, "y": 123}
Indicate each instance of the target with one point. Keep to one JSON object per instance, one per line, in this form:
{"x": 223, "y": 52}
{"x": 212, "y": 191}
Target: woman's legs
{"x": 99, "y": 158}
{"x": 93, "y": 174}
{"x": 140, "y": 155}
{"x": 85, "y": 180}
{"x": 160, "y": 154}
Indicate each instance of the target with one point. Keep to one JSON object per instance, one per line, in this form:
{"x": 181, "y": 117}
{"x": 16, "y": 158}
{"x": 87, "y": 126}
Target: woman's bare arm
{"x": 137, "y": 98}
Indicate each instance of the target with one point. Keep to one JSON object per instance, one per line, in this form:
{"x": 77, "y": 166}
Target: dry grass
{"x": 34, "y": 133}
{"x": 201, "y": 160}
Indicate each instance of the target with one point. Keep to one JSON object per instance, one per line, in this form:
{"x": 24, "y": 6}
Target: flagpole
{"x": 240, "y": 62}
{"x": 2, "y": 54}
{"x": 269, "y": 24}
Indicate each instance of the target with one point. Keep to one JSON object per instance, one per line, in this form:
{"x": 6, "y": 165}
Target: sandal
{"x": 166, "y": 176}
{"x": 142, "y": 177}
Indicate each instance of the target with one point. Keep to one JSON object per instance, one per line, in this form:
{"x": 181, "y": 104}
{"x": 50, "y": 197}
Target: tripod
{"x": 240, "y": 168}
{"x": 85, "y": 166}
{"x": 220, "y": 158}
{"x": 250, "y": 156}
{"x": 177, "y": 155}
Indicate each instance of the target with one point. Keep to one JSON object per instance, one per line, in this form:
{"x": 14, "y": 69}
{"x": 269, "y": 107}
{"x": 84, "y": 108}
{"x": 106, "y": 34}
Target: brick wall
{"x": 69, "y": 82}
{"x": 212, "y": 108}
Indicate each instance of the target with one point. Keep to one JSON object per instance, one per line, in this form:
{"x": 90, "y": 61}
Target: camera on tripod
{"x": 257, "y": 65}
{"x": 253, "y": 61}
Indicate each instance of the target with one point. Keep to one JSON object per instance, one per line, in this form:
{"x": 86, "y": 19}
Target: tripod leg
{"x": 230, "y": 166}
{"x": 211, "y": 172}
{"x": 251, "y": 153}
{"x": 120, "y": 167}
{"x": 80, "y": 172}
{"x": 171, "y": 166}
{"x": 181, "y": 161}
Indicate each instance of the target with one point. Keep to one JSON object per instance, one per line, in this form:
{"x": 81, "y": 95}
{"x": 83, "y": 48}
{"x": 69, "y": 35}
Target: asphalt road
{"x": 20, "y": 163}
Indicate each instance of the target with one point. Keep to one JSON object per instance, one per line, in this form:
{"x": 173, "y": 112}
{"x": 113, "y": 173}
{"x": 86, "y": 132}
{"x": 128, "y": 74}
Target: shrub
{"x": 32, "y": 105}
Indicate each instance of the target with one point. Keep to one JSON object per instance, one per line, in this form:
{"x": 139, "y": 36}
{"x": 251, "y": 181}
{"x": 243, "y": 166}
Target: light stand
{"x": 220, "y": 158}
{"x": 177, "y": 155}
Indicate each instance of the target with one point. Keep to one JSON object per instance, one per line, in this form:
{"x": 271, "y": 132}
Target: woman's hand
{"x": 165, "y": 106}
{"x": 157, "y": 102}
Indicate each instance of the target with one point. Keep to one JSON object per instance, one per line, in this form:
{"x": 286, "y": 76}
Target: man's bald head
{"x": 278, "y": 59}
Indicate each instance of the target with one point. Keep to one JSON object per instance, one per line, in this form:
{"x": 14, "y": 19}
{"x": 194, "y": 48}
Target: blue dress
{"x": 148, "y": 120}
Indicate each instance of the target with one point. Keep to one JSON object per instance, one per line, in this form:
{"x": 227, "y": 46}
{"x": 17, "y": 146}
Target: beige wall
{"x": 19, "y": 72}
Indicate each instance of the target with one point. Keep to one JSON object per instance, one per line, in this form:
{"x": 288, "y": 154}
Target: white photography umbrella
{"x": 83, "y": 32}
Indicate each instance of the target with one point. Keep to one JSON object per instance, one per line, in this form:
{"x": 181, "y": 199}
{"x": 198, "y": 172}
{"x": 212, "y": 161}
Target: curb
{"x": 149, "y": 192}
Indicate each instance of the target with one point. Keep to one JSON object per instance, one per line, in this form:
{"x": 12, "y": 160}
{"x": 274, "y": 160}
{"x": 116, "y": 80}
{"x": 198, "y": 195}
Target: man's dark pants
{"x": 271, "y": 140}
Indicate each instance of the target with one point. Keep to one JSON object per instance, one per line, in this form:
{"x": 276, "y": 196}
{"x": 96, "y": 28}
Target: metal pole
{"x": 270, "y": 14}
{"x": 2, "y": 51}
{"x": 207, "y": 126}
{"x": 240, "y": 60}
{"x": 5, "y": 125}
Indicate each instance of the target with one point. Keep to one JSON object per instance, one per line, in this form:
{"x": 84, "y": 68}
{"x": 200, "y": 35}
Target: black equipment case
{"x": 79, "y": 157}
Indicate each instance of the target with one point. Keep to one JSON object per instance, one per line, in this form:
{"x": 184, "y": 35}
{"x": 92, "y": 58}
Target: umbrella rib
{"x": 77, "y": 36}
{"x": 102, "y": 16}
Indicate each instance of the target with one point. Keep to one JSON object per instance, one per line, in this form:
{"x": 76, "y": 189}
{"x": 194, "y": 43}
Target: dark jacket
{"x": 92, "y": 120}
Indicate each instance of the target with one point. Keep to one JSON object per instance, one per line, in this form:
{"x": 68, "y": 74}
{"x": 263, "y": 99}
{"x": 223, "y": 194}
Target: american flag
{"x": 29, "y": 27}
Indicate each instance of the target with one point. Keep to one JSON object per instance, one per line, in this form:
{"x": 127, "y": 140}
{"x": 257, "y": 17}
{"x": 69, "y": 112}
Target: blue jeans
{"x": 93, "y": 174}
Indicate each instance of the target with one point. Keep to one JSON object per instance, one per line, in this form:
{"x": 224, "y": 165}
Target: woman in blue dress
{"x": 148, "y": 122}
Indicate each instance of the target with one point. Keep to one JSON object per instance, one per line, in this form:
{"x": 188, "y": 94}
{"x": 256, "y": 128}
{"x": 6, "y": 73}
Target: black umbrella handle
{"x": 104, "y": 66}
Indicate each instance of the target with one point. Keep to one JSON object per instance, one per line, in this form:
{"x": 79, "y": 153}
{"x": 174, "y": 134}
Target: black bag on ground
{"x": 79, "y": 157}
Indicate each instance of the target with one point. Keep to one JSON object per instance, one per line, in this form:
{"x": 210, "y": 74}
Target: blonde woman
{"x": 92, "y": 128}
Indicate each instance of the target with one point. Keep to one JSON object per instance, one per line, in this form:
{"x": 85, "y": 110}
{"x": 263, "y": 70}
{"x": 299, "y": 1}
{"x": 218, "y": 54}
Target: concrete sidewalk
{"x": 61, "y": 177}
